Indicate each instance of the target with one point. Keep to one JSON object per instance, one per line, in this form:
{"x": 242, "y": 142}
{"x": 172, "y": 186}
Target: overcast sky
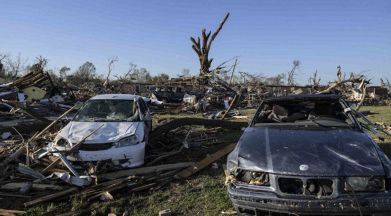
{"x": 266, "y": 35}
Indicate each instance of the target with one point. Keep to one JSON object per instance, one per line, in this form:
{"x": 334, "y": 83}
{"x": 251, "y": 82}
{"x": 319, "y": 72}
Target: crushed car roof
{"x": 304, "y": 97}
{"x": 115, "y": 97}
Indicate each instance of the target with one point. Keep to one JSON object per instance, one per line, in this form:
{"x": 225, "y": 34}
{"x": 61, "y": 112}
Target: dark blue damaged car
{"x": 308, "y": 155}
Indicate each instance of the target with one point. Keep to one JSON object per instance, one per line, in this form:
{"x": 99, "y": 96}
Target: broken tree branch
{"x": 202, "y": 49}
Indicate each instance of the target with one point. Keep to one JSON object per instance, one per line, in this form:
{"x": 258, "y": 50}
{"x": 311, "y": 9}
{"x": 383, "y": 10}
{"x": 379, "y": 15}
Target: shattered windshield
{"x": 108, "y": 111}
{"x": 317, "y": 113}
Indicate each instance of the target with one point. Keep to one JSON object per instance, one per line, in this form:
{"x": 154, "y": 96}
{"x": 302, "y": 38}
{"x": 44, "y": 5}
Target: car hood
{"x": 308, "y": 152}
{"x": 109, "y": 131}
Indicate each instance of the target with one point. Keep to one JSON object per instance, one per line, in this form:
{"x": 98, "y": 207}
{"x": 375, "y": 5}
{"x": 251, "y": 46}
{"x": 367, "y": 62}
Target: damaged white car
{"x": 108, "y": 127}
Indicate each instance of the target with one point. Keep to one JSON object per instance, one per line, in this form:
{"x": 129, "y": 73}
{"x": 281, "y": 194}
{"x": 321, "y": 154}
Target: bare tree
{"x": 110, "y": 66}
{"x": 385, "y": 83}
{"x": 202, "y": 49}
{"x": 275, "y": 80}
{"x": 15, "y": 65}
{"x": 141, "y": 75}
{"x": 291, "y": 73}
{"x": 184, "y": 73}
{"x": 161, "y": 78}
{"x": 2, "y": 57}
{"x": 2, "y": 70}
{"x": 233, "y": 71}
{"x": 40, "y": 65}
{"x": 63, "y": 72}
{"x": 85, "y": 73}
{"x": 314, "y": 80}
{"x": 136, "y": 74}
{"x": 131, "y": 69}
{"x": 356, "y": 86}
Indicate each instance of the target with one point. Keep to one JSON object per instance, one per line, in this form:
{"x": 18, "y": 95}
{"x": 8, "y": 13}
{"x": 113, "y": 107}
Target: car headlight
{"x": 62, "y": 142}
{"x": 364, "y": 184}
{"x": 232, "y": 166}
{"x": 253, "y": 177}
{"x": 127, "y": 141}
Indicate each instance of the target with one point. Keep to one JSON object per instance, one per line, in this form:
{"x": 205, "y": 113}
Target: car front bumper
{"x": 254, "y": 202}
{"x": 133, "y": 153}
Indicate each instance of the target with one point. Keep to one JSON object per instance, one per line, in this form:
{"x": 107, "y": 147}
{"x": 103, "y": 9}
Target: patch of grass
{"x": 203, "y": 194}
{"x": 384, "y": 113}
{"x": 52, "y": 208}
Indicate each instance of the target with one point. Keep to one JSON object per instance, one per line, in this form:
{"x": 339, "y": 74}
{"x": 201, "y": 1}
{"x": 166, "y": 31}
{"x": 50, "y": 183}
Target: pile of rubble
{"x": 30, "y": 176}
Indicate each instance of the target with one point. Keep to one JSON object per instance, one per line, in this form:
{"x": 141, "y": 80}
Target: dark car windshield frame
{"x": 308, "y": 123}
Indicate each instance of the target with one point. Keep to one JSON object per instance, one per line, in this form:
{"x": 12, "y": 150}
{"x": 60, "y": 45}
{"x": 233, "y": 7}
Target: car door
{"x": 146, "y": 118}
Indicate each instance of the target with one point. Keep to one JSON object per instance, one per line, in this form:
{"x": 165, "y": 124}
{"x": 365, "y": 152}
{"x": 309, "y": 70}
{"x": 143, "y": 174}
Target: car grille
{"x": 306, "y": 186}
{"x": 95, "y": 146}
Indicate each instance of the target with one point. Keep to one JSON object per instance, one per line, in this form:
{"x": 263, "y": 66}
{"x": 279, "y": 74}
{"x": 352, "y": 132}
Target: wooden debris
{"x": 106, "y": 196}
{"x": 25, "y": 187}
{"x": 51, "y": 197}
{"x": 205, "y": 162}
{"x": 8, "y": 212}
{"x": 156, "y": 134}
{"x": 229, "y": 212}
{"x": 51, "y": 166}
{"x": 55, "y": 121}
{"x": 234, "y": 101}
{"x": 73, "y": 148}
{"x": 164, "y": 156}
{"x": 144, "y": 170}
{"x": 240, "y": 117}
{"x": 28, "y": 171}
{"x": 143, "y": 187}
{"x": 22, "y": 149}
{"x": 165, "y": 212}
{"x": 35, "y": 186}
{"x": 14, "y": 195}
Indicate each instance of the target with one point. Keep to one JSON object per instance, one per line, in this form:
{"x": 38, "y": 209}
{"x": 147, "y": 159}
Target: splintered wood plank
{"x": 50, "y": 197}
{"x": 9, "y": 212}
{"x": 205, "y": 162}
{"x": 144, "y": 170}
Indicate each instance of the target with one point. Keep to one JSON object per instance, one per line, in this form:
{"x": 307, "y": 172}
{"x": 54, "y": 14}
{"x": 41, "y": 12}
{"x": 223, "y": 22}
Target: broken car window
{"x": 108, "y": 110}
{"x": 304, "y": 112}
